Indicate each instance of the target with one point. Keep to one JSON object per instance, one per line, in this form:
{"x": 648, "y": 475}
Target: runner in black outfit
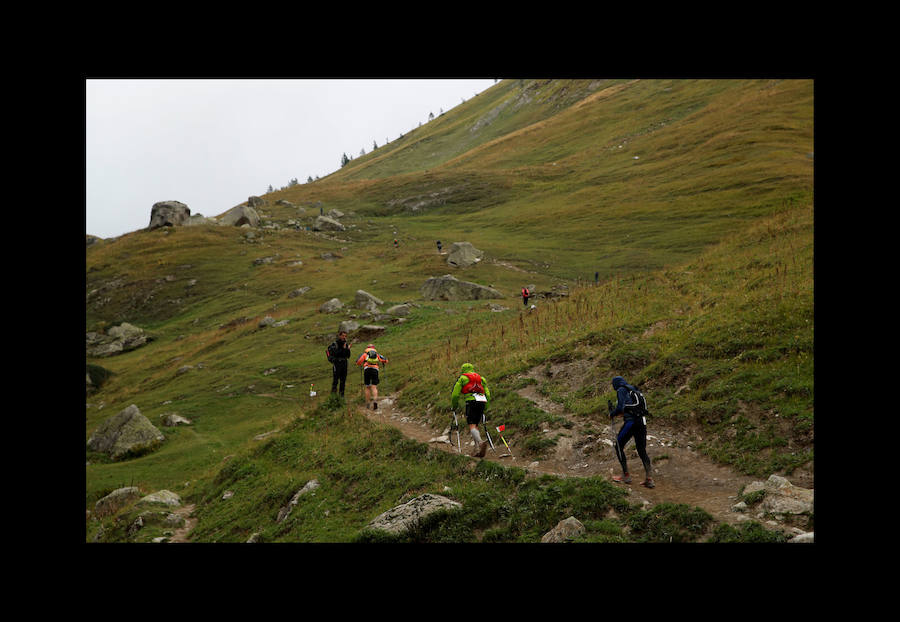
{"x": 635, "y": 426}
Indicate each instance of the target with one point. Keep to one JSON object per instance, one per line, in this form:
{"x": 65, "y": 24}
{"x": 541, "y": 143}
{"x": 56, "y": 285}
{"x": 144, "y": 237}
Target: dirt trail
{"x": 181, "y": 534}
{"x": 681, "y": 474}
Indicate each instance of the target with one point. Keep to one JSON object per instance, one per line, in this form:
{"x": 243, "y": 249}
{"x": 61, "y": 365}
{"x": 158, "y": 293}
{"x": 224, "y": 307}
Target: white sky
{"x": 212, "y": 143}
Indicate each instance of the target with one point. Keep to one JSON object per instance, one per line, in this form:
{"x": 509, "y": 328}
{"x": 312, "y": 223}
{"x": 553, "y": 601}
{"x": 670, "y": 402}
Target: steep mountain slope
{"x": 691, "y": 200}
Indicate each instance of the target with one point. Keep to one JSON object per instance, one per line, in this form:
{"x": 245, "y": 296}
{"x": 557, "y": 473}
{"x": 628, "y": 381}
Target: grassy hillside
{"x": 692, "y": 199}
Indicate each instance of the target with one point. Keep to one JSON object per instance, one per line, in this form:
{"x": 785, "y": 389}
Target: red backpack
{"x": 474, "y": 385}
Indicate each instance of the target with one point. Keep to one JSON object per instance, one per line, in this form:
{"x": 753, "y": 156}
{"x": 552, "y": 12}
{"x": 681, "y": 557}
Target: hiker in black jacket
{"x": 338, "y": 354}
{"x": 630, "y": 404}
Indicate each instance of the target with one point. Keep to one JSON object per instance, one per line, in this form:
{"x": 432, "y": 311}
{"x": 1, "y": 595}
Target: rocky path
{"x": 681, "y": 474}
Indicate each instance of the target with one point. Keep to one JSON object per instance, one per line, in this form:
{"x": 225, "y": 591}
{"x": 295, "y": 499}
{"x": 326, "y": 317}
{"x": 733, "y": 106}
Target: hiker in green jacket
{"x": 474, "y": 389}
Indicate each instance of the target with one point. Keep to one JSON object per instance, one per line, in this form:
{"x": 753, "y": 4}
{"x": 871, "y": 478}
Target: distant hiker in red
{"x": 369, "y": 361}
{"x": 525, "y": 295}
{"x": 473, "y": 387}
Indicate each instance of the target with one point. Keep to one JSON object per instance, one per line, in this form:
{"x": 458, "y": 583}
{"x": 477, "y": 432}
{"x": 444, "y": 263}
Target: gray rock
{"x": 284, "y": 512}
{"x": 324, "y": 223}
{"x": 118, "y": 339}
{"x": 565, "y": 531}
{"x": 348, "y": 326}
{"x": 332, "y": 306}
{"x": 299, "y": 292}
{"x": 168, "y": 214}
{"x": 448, "y": 287}
{"x": 463, "y": 254}
{"x": 399, "y": 519}
{"x": 164, "y": 497}
{"x": 240, "y": 215}
{"x": 401, "y": 310}
{"x": 782, "y": 498}
{"x": 365, "y": 300}
{"x": 115, "y": 500}
{"x": 173, "y": 419}
{"x": 127, "y": 432}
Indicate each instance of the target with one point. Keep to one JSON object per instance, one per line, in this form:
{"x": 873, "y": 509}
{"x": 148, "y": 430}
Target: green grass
{"x": 704, "y": 249}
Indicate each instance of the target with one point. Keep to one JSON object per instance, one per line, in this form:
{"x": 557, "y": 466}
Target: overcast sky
{"x": 212, "y": 143}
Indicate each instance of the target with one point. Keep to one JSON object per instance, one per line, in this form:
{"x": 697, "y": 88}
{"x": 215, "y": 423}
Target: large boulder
{"x": 365, "y": 300}
{"x": 115, "y": 500}
{"x": 127, "y": 433}
{"x": 448, "y": 287}
{"x": 782, "y": 498}
{"x": 463, "y": 254}
{"x": 400, "y": 519}
{"x": 168, "y": 214}
{"x": 116, "y": 340}
{"x": 240, "y": 215}
{"x": 324, "y": 223}
{"x": 332, "y": 306}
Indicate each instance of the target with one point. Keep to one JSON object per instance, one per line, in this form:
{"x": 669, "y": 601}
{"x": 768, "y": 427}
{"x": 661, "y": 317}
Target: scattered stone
{"x": 299, "y": 292}
{"x": 782, "y": 499}
{"x": 128, "y": 432}
{"x": 173, "y": 419}
{"x": 164, "y": 497}
{"x": 348, "y": 326}
{"x": 116, "y": 500}
{"x": 118, "y": 339}
{"x": 400, "y": 519}
{"x": 401, "y": 310}
{"x": 332, "y": 306}
{"x": 365, "y": 300}
{"x": 565, "y": 531}
{"x": 284, "y": 512}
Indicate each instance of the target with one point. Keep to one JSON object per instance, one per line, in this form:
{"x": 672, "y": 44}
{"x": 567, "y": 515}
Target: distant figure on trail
{"x": 596, "y": 278}
{"x": 633, "y": 408}
{"x": 474, "y": 389}
{"x": 369, "y": 361}
{"x": 525, "y": 295}
{"x": 338, "y": 354}
{"x": 439, "y": 247}
{"x": 396, "y": 243}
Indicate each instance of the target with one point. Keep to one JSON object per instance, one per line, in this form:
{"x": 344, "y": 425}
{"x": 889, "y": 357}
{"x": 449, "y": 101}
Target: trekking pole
{"x": 484, "y": 425}
{"x": 616, "y": 448}
{"x": 456, "y": 425}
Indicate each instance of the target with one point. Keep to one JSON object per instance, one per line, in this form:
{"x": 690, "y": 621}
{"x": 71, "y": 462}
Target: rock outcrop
{"x": 168, "y": 214}
{"x": 125, "y": 434}
{"x": 463, "y": 254}
{"x": 239, "y": 216}
{"x": 400, "y": 519}
{"x": 117, "y": 339}
{"x": 448, "y": 287}
{"x": 324, "y": 223}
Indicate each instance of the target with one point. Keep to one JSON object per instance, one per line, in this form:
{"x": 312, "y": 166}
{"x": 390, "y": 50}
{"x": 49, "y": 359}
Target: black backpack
{"x": 640, "y": 408}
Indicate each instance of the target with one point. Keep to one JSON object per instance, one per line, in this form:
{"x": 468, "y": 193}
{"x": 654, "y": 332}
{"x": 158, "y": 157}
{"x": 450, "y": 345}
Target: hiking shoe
{"x": 648, "y": 483}
{"x": 374, "y": 405}
{"x": 622, "y": 479}
{"x": 482, "y": 449}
